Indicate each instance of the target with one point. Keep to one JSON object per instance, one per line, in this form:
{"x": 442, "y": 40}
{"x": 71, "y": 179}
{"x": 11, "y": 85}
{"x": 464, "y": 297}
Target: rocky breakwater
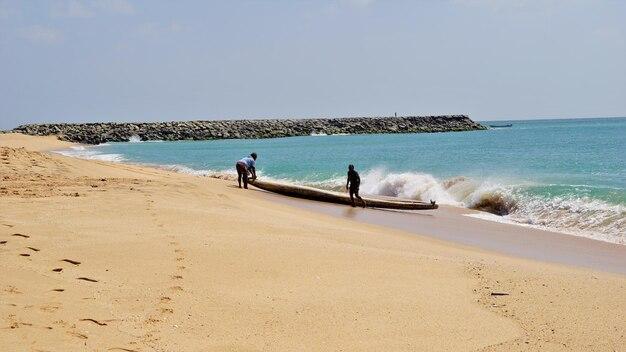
{"x": 95, "y": 133}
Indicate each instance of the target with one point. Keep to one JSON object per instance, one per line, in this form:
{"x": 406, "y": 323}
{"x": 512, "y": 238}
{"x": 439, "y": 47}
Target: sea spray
{"x": 409, "y": 185}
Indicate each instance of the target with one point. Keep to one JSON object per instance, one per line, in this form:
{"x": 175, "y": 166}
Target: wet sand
{"x": 449, "y": 224}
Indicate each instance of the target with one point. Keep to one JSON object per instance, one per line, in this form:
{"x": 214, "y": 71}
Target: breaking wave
{"x": 515, "y": 203}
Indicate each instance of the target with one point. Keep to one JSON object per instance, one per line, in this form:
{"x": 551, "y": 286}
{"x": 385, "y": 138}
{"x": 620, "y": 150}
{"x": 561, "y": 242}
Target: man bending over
{"x": 245, "y": 166}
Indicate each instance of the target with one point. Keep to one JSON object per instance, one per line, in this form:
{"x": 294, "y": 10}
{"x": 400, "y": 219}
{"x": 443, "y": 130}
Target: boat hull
{"x": 339, "y": 198}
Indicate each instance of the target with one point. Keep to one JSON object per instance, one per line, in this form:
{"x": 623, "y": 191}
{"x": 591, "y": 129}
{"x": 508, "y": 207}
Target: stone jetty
{"x": 96, "y": 133}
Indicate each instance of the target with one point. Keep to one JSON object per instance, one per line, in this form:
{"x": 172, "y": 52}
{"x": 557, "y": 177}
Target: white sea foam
{"x": 134, "y": 139}
{"x": 90, "y": 153}
{"x": 406, "y": 185}
{"x": 580, "y": 216}
{"x": 568, "y": 224}
{"x": 223, "y": 174}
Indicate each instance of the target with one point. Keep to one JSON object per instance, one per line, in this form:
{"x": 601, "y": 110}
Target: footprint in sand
{"x": 77, "y": 334}
{"x": 165, "y": 299}
{"x": 167, "y": 311}
{"x": 94, "y": 321}
{"x": 3, "y": 242}
{"x": 153, "y": 320}
{"x": 33, "y": 249}
{"x": 177, "y": 277}
{"x": 176, "y": 288}
{"x": 58, "y": 289}
{"x": 20, "y": 235}
{"x": 57, "y": 270}
{"x": 25, "y": 254}
{"x": 12, "y": 289}
{"x": 60, "y": 323}
{"x": 75, "y": 262}
{"x": 86, "y": 279}
{"x": 49, "y": 308}
{"x": 13, "y": 323}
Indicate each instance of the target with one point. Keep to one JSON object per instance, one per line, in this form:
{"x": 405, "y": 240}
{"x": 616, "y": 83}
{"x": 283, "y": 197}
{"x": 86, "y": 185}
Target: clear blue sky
{"x": 123, "y": 60}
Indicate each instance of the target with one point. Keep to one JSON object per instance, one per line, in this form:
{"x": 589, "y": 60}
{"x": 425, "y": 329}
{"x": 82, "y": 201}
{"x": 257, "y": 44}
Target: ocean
{"x": 566, "y": 175}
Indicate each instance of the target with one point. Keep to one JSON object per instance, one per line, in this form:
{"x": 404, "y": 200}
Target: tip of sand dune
{"x": 32, "y": 143}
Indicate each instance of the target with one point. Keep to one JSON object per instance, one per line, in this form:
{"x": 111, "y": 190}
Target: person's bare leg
{"x": 245, "y": 180}
{"x": 352, "y": 198}
{"x": 239, "y": 178}
{"x": 359, "y": 197}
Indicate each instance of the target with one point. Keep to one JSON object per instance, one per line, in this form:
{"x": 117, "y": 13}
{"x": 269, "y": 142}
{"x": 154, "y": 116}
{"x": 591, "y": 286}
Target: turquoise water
{"x": 567, "y": 175}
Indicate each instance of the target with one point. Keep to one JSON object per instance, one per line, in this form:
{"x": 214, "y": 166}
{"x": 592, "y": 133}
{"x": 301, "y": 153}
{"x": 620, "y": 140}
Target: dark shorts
{"x": 354, "y": 189}
{"x": 241, "y": 168}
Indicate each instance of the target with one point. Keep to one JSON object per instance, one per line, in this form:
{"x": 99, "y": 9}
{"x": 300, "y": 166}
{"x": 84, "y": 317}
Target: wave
{"x": 90, "y": 153}
{"x": 513, "y": 203}
{"x": 582, "y": 216}
{"x": 223, "y": 174}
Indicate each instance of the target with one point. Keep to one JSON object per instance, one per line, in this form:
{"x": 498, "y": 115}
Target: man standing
{"x": 244, "y": 166}
{"x": 353, "y": 183}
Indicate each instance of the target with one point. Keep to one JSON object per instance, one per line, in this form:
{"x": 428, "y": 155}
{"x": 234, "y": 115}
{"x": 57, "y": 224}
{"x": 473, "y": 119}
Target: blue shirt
{"x": 248, "y": 161}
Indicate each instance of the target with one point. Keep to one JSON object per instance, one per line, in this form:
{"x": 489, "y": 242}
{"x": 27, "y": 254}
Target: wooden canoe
{"x": 340, "y": 198}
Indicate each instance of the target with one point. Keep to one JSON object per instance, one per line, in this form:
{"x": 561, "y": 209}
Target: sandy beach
{"x": 102, "y": 256}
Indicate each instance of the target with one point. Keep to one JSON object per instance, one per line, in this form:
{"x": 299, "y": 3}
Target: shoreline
{"x": 170, "y": 261}
{"x": 501, "y": 237}
{"x": 530, "y": 204}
